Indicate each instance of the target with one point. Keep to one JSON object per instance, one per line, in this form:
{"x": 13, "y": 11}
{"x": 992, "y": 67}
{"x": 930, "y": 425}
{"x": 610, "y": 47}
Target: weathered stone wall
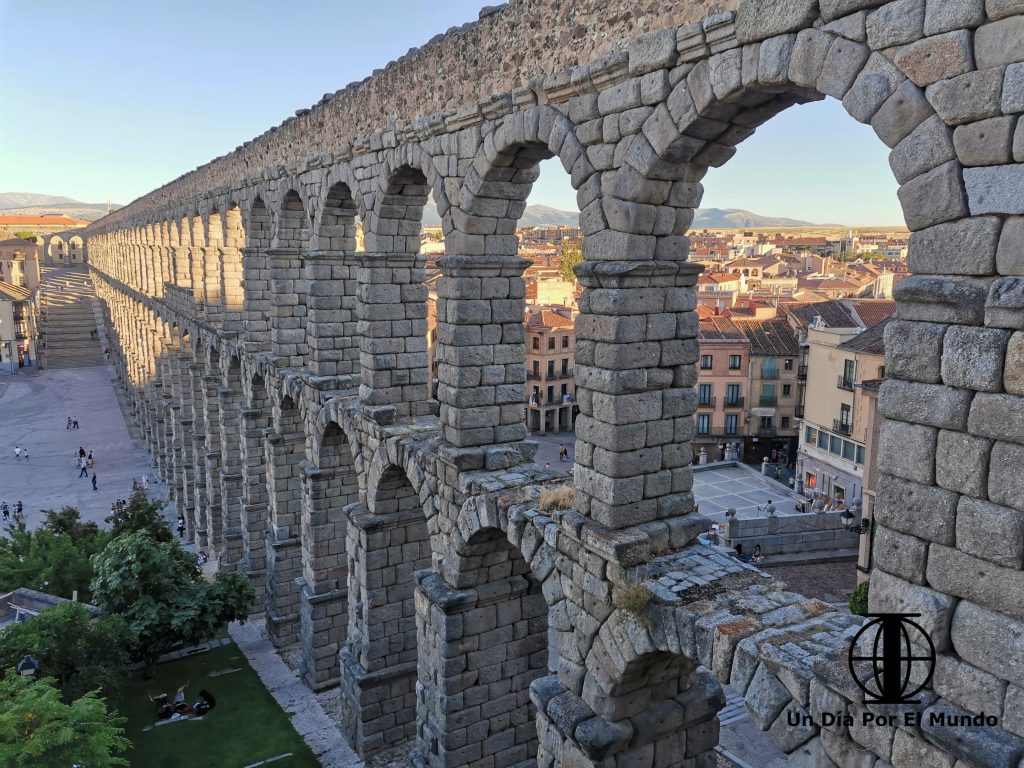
{"x": 441, "y": 521}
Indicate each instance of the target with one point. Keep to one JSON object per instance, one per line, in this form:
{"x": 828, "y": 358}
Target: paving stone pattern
{"x": 279, "y": 376}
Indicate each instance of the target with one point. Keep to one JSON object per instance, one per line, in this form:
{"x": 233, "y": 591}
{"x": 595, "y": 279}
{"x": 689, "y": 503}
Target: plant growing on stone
{"x": 560, "y": 497}
{"x": 159, "y": 590}
{"x": 859, "y": 599}
{"x": 633, "y": 598}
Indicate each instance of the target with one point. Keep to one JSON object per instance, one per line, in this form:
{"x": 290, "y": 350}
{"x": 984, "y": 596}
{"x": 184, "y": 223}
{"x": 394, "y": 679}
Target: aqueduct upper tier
{"x": 280, "y": 376}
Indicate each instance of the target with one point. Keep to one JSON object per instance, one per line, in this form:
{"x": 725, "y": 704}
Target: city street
{"x": 33, "y": 414}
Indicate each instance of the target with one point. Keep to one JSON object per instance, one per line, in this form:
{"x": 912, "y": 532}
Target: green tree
{"x": 38, "y": 730}
{"x": 571, "y": 255}
{"x": 159, "y": 590}
{"x": 81, "y": 654}
{"x": 53, "y": 559}
{"x": 26, "y": 236}
{"x": 140, "y": 514}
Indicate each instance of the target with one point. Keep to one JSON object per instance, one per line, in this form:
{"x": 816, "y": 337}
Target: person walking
{"x": 5, "y": 511}
{"x": 69, "y": 422}
{"x": 17, "y": 452}
{"x": 181, "y": 526}
{"x": 83, "y": 470}
{"x": 74, "y": 423}
{"x": 93, "y": 481}
{"x": 563, "y": 452}
{"x": 81, "y": 452}
{"x": 19, "y": 513}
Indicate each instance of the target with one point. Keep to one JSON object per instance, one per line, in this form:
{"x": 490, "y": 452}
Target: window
{"x": 704, "y": 424}
{"x": 769, "y": 368}
{"x": 551, "y": 369}
{"x": 732, "y": 395}
{"x": 704, "y": 394}
{"x": 551, "y": 342}
{"x": 734, "y": 362}
{"x": 849, "y": 371}
{"x": 838, "y": 493}
{"x": 766, "y": 423}
{"x": 787, "y": 389}
{"x": 565, "y": 366}
{"x": 551, "y": 394}
{"x": 811, "y": 481}
{"x": 767, "y": 394}
{"x": 732, "y": 421}
{"x": 836, "y": 446}
{"x": 788, "y": 365}
{"x": 536, "y": 343}
{"x": 849, "y": 450}
{"x": 565, "y": 342}
{"x": 860, "y": 454}
{"x": 705, "y": 362}
{"x": 844, "y": 415}
{"x": 785, "y": 422}
{"x": 536, "y": 368}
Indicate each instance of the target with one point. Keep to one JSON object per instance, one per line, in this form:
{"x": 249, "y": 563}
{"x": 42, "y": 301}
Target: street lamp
{"x": 847, "y": 516}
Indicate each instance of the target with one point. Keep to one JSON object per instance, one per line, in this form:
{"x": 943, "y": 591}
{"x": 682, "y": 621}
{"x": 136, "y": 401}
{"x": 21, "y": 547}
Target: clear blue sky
{"x": 108, "y": 99}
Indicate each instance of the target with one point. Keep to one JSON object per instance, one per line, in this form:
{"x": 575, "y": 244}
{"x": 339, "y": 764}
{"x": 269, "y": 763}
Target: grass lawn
{"x": 245, "y": 727}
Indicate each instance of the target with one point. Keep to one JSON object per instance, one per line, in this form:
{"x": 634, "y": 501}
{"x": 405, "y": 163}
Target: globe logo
{"x": 889, "y": 646}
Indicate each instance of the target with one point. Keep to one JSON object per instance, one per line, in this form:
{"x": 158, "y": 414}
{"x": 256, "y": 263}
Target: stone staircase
{"x": 69, "y": 318}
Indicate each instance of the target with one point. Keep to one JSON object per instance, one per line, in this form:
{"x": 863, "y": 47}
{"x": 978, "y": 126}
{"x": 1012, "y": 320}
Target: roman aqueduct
{"x": 280, "y": 378}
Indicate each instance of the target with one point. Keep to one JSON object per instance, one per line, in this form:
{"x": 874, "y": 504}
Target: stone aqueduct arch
{"x": 279, "y": 377}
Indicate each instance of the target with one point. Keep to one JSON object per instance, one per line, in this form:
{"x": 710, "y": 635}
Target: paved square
{"x": 745, "y": 489}
{"x": 33, "y": 414}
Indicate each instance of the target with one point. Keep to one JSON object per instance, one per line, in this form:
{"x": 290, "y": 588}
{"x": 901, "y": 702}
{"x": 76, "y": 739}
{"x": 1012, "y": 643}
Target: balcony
{"x": 841, "y": 427}
{"x": 766, "y": 432}
{"x": 707, "y": 402}
{"x": 768, "y": 401}
{"x": 770, "y": 374}
{"x": 733, "y": 402}
{"x": 844, "y": 383}
{"x": 801, "y": 373}
{"x": 531, "y": 376}
{"x": 798, "y": 412}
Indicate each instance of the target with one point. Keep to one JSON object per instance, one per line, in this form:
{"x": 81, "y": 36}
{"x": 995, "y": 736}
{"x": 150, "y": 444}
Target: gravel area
{"x": 831, "y": 582}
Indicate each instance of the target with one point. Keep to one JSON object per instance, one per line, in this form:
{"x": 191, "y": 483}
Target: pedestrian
{"x": 24, "y": 453}
{"x": 17, "y": 452}
{"x": 145, "y": 482}
{"x": 69, "y": 422}
{"x": 93, "y": 481}
{"x": 5, "y": 511}
{"x": 563, "y": 452}
{"x": 181, "y": 526}
{"x": 81, "y": 452}
{"x": 83, "y": 468}
{"x": 91, "y": 461}
{"x": 19, "y": 513}
{"x": 74, "y": 423}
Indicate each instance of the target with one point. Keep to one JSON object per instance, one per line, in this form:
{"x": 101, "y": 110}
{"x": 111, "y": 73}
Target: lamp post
{"x": 846, "y": 517}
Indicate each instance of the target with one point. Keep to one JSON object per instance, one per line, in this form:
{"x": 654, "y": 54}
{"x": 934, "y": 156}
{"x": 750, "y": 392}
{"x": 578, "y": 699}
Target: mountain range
{"x": 534, "y": 216}
{"x": 30, "y": 203}
{"x": 704, "y": 218}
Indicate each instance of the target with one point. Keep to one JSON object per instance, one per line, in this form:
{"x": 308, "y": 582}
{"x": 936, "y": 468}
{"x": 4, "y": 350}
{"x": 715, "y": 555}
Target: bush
{"x": 634, "y": 599}
{"x": 859, "y": 599}
{"x": 562, "y": 497}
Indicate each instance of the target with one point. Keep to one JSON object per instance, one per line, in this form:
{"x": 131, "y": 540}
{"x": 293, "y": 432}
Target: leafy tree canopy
{"x": 81, "y": 654}
{"x": 571, "y": 255}
{"x": 159, "y": 590}
{"x": 38, "y": 730}
{"x": 26, "y": 236}
{"x": 141, "y": 514}
{"x": 53, "y": 559}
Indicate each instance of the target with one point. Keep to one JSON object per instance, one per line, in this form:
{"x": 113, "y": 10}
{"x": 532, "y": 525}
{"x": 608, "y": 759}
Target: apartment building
{"x": 550, "y": 362}
{"x": 722, "y": 384}
{"x": 837, "y": 426}
{"x": 771, "y": 428}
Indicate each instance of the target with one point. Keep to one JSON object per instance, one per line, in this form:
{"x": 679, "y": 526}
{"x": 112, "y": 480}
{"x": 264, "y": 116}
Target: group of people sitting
{"x": 176, "y": 708}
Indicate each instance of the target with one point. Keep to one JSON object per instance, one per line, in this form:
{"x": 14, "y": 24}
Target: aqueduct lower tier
{"x": 280, "y": 377}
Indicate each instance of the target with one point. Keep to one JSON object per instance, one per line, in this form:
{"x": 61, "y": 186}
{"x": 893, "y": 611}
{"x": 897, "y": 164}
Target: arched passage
{"x": 255, "y": 282}
{"x": 288, "y": 342}
{"x": 493, "y": 634}
{"x": 392, "y": 297}
{"x": 386, "y": 544}
{"x": 329, "y": 484}
{"x": 55, "y": 251}
{"x": 285, "y": 449}
{"x": 331, "y": 271}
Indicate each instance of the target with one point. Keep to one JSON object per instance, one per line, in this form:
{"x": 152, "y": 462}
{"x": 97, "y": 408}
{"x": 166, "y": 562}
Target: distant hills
{"x": 534, "y": 216}
{"x": 33, "y": 204}
{"x": 705, "y": 218}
